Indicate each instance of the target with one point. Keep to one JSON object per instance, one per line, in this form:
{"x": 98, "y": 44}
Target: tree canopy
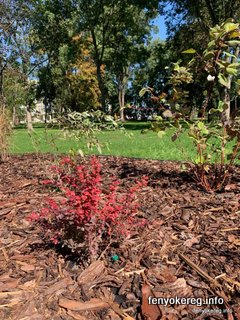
{"x": 98, "y": 54}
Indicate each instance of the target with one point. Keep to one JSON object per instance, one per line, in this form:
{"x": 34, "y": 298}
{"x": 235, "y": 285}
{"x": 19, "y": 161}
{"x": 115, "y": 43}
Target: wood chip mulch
{"x": 191, "y": 249}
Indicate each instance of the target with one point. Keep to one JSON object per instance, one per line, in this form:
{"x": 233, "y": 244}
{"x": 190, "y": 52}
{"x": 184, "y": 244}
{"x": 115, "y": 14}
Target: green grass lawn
{"x": 120, "y": 143}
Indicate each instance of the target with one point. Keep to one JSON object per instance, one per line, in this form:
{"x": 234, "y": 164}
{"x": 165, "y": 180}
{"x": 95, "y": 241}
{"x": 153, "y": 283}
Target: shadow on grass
{"x": 38, "y": 125}
{"x": 131, "y": 125}
{"x": 136, "y": 125}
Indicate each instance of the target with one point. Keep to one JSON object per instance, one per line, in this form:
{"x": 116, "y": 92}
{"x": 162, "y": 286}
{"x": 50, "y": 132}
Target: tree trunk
{"x": 29, "y": 119}
{"x": 194, "y": 113}
{"x": 45, "y": 113}
{"x": 98, "y": 62}
{"x": 101, "y": 87}
{"x": 15, "y": 119}
{"x": 121, "y": 99}
{"x": 122, "y": 83}
{"x": 2, "y": 98}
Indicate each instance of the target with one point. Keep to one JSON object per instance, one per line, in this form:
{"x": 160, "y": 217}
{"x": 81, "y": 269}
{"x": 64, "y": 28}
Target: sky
{"x": 162, "y": 32}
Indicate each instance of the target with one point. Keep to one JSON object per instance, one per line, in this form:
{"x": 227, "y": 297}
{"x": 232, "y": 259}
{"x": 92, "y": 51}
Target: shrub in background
{"x": 92, "y": 214}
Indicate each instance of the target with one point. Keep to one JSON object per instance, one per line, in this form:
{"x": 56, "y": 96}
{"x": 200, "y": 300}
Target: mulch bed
{"x": 191, "y": 249}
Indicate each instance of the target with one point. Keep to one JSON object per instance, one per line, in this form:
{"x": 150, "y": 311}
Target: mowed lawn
{"x": 129, "y": 143}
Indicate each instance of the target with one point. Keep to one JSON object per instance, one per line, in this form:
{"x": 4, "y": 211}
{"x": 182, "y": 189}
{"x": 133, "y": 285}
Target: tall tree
{"x": 52, "y": 31}
{"x": 197, "y": 17}
{"x": 14, "y": 93}
{"x": 111, "y": 24}
{"x": 10, "y": 19}
{"x": 15, "y": 46}
{"x": 128, "y": 49}
{"x": 82, "y": 77}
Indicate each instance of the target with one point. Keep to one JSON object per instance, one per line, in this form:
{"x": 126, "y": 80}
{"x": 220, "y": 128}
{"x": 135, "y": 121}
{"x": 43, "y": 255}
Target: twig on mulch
{"x": 200, "y": 271}
{"x": 210, "y": 279}
{"x": 230, "y": 229}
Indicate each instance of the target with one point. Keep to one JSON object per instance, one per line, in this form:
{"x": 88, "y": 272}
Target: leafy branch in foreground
{"x": 217, "y": 145}
{"x": 85, "y": 126}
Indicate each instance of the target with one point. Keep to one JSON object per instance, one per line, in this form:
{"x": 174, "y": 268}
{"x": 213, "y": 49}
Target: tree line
{"x": 78, "y": 55}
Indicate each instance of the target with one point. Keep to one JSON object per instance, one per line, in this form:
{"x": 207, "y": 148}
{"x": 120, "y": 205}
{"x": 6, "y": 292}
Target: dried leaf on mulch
{"x": 149, "y": 311}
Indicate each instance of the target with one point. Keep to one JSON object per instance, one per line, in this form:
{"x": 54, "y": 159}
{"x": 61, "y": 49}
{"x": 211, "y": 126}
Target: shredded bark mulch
{"x": 191, "y": 249}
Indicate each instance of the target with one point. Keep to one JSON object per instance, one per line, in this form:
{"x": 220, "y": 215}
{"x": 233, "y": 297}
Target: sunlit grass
{"x": 129, "y": 143}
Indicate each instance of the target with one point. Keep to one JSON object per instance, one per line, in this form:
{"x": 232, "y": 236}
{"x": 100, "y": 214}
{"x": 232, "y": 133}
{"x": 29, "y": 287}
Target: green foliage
{"x": 85, "y": 126}
{"x": 220, "y": 61}
{"x": 119, "y": 31}
{"x": 220, "y": 57}
{"x": 12, "y": 39}
{"x": 212, "y": 145}
{"x": 53, "y": 25}
{"x": 113, "y": 33}
{"x": 180, "y": 77}
{"x": 14, "y": 92}
{"x": 194, "y": 19}
{"x": 151, "y": 72}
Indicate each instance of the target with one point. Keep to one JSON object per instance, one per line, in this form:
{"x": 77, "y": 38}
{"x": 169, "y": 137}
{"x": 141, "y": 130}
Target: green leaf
{"x": 80, "y": 152}
{"x": 211, "y": 44}
{"x": 198, "y": 160}
{"x": 229, "y": 54}
{"x": 228, "y": 27}
{"x": 213, "y": 110}
{"x": 223, "y": 80}
{"x": 144, "y": 90}
{"x": 200, "y": 125}
{"x": 221, "y": 64}
{"x": 209, "y": 55}
{"x": 161, "y": 134}
{"x": 232, "y": 71}
{"x": 234, "y": 65}
{"x": 234, "y": 34}
{"x": 233, "y": 43}
{"x": 220, "y": 106}
{"x": 176, "y": 67}
{"x": 158, "y": 118}
{"x": 205, "y": 131}
{"x": 191, "y": 51}
{"x": 228, "y": 151}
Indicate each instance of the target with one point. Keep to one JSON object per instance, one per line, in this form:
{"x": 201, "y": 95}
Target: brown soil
{"x": 191, "y": 249}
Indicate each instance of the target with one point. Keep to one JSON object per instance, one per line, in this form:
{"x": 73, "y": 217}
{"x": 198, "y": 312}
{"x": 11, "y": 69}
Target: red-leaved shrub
{"x": 91, "y": 214}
